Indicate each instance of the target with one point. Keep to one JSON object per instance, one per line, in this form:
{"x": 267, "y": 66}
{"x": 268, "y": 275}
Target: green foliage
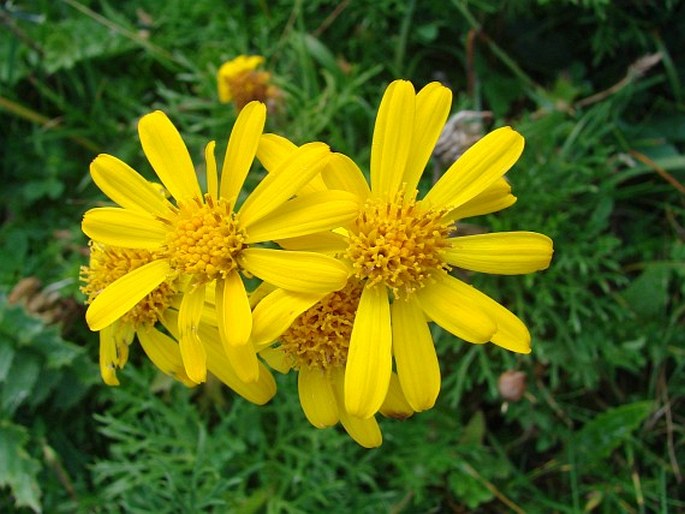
{"x": 18, "y": 470}
{"x": 598, "y": 428}
{"x": 42, "y": 379}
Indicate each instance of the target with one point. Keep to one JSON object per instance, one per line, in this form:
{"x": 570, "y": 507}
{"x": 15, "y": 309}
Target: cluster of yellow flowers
{"x": 352, "y": 272}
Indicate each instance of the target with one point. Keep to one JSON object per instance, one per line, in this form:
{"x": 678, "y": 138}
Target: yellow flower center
{"x": 399, "y": 244}
{"x": 320, "y": 337}
{"x": 205, "y": 240}
{"x": 108, "y": 263}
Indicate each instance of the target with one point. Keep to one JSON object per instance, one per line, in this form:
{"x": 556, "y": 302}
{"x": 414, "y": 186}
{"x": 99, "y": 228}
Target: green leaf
{"x": 6, "y": 357}
{"x": 18, "y": 469}
{"x": 321, "y": 54}
{"x": 647, "y": 295}
{"x": 603, "y": 434}
{"x": 474, "y": 431}
{"x": 19, "y": 385}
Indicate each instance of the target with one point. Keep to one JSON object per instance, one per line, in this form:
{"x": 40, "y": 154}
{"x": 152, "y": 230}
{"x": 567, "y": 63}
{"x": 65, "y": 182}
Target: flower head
{"x": 159, "y": 307}
{"x": 209, "y": 240}
{"x": 240, "y": 81}
{"x": 107, "y": 265}
{"x": 401, "y": 248}
{"x": 316, "y": 345}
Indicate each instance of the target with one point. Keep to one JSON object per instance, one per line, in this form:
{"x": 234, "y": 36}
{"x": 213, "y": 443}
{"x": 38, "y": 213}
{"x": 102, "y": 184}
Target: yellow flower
{"x": 108, "y": 264}
{"x": 316, "y": 345}
{"x": 207, "y": 238}
{"x": 239, "y": 81}
{"x": 402, "y": 249}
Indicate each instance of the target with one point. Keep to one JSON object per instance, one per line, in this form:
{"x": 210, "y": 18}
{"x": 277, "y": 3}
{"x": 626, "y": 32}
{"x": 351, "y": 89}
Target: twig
{"x": 52, "y": 459}
{"x": 491, "y": 487}
{"x": 662, "y": 172}
{"x": 635, "y": 71}
{"x": 20, "y": 33}
{"x": 470, "y": 70}
{"x": 25, "y": 113}
{"x": 328, "y": 21}
{"x": 663, "y": 386}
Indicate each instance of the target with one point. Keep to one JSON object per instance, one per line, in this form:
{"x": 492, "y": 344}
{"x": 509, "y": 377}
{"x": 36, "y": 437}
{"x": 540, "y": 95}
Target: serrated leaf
{"x": 474, "y": 431}
{"x": 18, "y": 470}
{"x": 6, "y": 357}
{"x": 467, "y": 488}
{"x": 603, "y": 434}
{"x": 647, "y": 295}
{"x": 20, "y": 381}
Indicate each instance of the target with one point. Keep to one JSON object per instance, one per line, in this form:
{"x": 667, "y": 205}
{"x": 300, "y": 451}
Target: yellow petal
{"x": 304, "y": 272}
{"x": 259, "y": 293}
{"x": 164, "y": 352}
{"x": 192, "y": 350}
{"x": 495, "y": 198}
{"x": 458, "y": 308}
{"x": 243, "y": 359}
{"x": 504, "y": 253}
{"x": 369, "y": 361}
{"x": 124, "y": 293}
{"x": 303, "y": 215}
{"x": 211, "y": 170}
{"x": 276, "y": 359}
{"x": 109, "y": 356}
{"x": 168, "y": 155}
{"x": 415, "y": 357}
{"x": 317, "y": 398}
{"x": 392, "y": 138}
{"x": 324, "y": 242}
{"x": 432, "y": 108}
{"x": 315, "y": 185}
{"x": 276, "y": 312}
{"x": 342, "y": 173}
{"x": 241, "y": 371}
{"x": 241, "y": 149}
{"x": 365, "y": 432}
{"x": 284, "y": 182}
{"x": 512, "y": 333}
{"x": 395, "y": 404}
{"x": 117, "y": 338}
{"x": 122, "y": 227}
{"x": 124, "y": 333}
{"x": 477, "y": 169}
{"x": 234, "y": 316}
{"x": 273, "y": 151}
{"x": 123, "y": 185}
{"x": 258, "y": 391}
{"x": 254, "y": 382}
